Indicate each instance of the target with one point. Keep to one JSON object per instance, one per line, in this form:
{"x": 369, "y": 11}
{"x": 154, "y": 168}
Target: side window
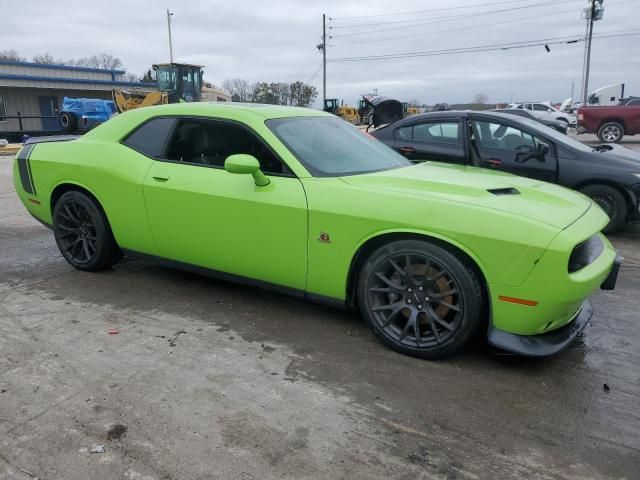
{"x": 404, "y": 133}
{"x": 502, "y": 137}
{"x": 539, "y": 107}
{"x": 149, "y": 139}
{"x": 210, "y": 142}
{"x": 437, "y": 132}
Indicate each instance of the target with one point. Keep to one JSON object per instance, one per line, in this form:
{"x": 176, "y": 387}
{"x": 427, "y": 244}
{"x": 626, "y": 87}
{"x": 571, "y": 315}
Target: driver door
{"x": 507, "y": 148}
{"x": 202, "y": 215}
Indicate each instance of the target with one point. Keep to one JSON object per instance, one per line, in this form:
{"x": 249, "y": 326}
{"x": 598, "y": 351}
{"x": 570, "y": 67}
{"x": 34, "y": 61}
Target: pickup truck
{"x": 610, "y": 123}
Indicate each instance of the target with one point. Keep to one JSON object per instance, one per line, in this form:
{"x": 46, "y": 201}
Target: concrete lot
{"x": 209, "y": 380}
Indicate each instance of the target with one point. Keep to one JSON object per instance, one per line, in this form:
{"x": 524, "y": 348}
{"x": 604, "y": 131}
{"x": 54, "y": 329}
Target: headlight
{"x": 636, "y": 174}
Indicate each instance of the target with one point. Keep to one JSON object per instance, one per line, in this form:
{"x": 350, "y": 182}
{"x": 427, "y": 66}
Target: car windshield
{"x": 330, "y": 147}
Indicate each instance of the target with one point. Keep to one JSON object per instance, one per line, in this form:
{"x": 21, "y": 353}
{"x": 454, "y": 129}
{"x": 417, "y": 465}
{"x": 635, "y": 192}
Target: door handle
{"x": 161, "y": 178}
{"x": 494, "y": 162}
{"x": 407, "y": 150}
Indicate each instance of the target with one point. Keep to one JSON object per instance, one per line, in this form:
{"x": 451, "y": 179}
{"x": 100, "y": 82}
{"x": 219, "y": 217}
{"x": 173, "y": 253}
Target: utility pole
{"x": 169, "y": 15}
{"x": 324, "y": 60}
{"x": 592, "y": 13}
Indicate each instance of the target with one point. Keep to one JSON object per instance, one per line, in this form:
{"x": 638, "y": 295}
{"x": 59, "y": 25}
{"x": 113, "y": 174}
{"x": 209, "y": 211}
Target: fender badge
{"x": 324, "y": 237}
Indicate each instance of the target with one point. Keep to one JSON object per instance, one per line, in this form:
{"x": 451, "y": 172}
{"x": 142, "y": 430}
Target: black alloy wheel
{"x": 83, "y": 234}
{"x": 422, "y": 301}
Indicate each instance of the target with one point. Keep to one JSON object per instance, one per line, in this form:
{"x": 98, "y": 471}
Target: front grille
{"x": 585, "y": 253}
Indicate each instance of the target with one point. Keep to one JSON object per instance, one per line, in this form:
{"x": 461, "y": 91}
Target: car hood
{"x": 623, "y": 155}
{"x": 524, "y": 197}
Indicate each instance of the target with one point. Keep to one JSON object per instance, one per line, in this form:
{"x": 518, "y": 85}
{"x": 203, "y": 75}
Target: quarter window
{"x": 440, "y": 132}
{"x": 405, "y": 133}
{"x": 150, "y": 138}
{"x": 210, "y": 142}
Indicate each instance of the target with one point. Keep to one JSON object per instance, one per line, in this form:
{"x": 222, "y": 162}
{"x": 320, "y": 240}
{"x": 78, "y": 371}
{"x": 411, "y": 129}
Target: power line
{"x": 528, "y": 18}
{"x": 430, "y": 10}
{"x": 453, "y": 18}
{"x": 482, "y": 48}
{"x": 302, "y": 60}
{"x": 520, "y": 19}
{"x": 465, "y": 15}
{"x": 314, "y": 75}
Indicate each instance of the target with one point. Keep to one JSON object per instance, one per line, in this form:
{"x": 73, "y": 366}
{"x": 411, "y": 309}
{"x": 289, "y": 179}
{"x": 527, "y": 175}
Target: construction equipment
{"x": 346, "y": 112}
{"x": 409, "y": 110}
{"x": 176, "y": 82}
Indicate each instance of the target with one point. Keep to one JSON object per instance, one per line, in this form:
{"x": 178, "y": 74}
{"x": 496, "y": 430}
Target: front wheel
{"x": 611, "y": 132}
{"x": 420, "y": 299}
{"x": 611, "y": 201}
{"x": 83, "y": 234}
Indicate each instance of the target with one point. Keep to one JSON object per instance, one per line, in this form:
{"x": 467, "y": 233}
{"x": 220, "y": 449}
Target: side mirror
{"x": 246, "y": 164}
{"x": 543, "y": 149}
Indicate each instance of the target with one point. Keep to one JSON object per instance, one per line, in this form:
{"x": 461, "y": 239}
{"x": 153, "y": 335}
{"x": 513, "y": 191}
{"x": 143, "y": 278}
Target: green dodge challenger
{"x": 301, "y": 201}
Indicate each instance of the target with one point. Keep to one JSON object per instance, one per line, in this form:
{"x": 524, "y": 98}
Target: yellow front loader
{"x": 176, "y": 82}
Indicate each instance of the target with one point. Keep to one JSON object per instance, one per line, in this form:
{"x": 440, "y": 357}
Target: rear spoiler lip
{"x": 52, "y": 138}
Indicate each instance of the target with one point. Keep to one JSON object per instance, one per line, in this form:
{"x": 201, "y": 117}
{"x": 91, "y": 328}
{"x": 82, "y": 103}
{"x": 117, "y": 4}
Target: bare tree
{"x": 131, "y": 77}
{"x": 47, "y": 58}
{"x": 11, "y": 55}
{"x": 103, "y": 61}
{"x": 480, "y": 98}
{"x": 239, "y": 89}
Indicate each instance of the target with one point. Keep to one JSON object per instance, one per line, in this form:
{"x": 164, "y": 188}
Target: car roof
{"x": 452, "y": 114}
{"x": 457, "y": 114}
{"x": 215, "y": 108}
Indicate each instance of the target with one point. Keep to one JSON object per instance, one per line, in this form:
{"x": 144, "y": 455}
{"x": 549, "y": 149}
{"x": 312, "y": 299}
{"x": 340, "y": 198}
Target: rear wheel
{"x": 611, "y": 201}
{"x": 420, "y": 299}
{"x": 83, "y": 234}
{"x": 611, "y": 132}
{"x": 68, "y": 121}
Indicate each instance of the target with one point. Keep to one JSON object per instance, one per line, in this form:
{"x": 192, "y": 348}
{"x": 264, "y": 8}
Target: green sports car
{"x": 301, "y": 201}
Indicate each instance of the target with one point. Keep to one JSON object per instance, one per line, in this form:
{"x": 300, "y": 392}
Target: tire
{"x": 68, "y": 121}
{"x": 611, "y": 201}
{"x": 83, "y": 234}
{"x": 611, "y": 132}
{"x": 441, "y": 297}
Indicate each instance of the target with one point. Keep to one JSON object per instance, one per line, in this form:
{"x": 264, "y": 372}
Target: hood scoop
{"x": 504, "y": 191}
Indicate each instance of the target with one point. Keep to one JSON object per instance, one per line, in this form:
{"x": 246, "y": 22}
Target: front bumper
{"x": 544, "y": 344}
{"x": 554, "y": 341}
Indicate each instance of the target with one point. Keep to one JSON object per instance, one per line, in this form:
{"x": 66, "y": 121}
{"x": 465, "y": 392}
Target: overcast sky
{"x": 275, "y": 41}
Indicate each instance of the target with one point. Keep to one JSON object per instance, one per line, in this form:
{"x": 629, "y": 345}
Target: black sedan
{"x": 610, "y": 174}
{"x": 557, "y": 125}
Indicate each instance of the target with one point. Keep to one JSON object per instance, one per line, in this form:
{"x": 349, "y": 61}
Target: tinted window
{"x": 210, "y": 142}
{"x": 329, "y": 146}
{"x": 540, "y": 108}
{"x": 405, "y": 133}
{"x": 447, "y": 132}
{"x": 150, "y": 137}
